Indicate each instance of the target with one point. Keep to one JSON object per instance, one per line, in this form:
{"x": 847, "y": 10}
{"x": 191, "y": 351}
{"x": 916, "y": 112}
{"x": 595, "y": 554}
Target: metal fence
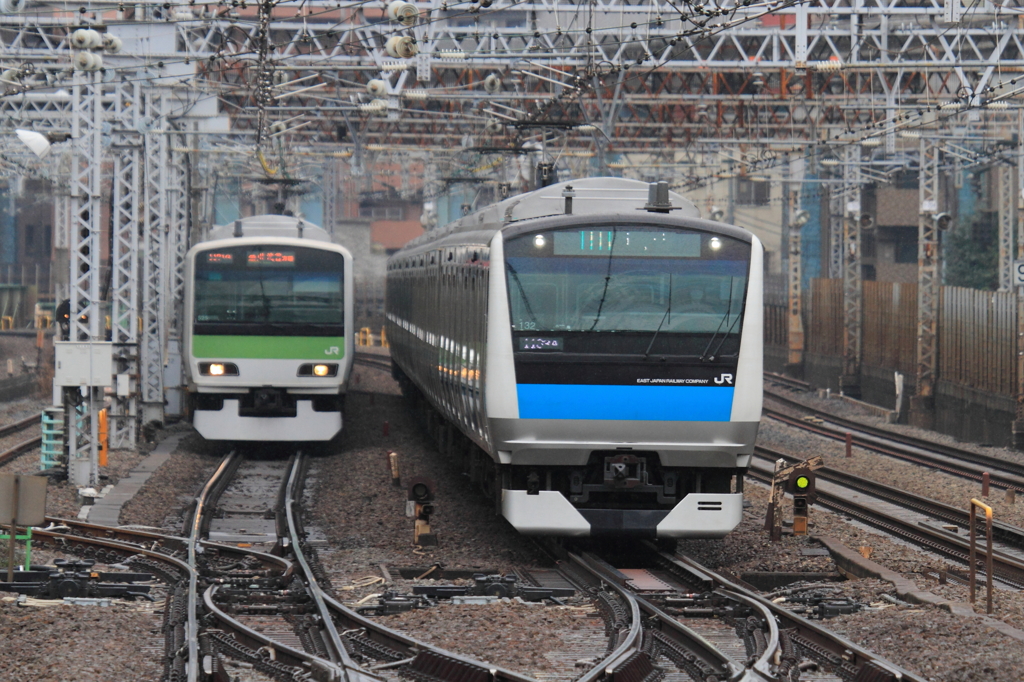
{"x": 823, "y": 317}
{"x": 977, "y": 339}
{"x": 977, "y": 331}
{"x": 889, "y": 329}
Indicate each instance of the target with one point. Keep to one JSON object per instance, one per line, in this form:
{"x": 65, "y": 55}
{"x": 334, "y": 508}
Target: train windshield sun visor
{"x": 269, "y": 290}
{"x": 646, "y": 282}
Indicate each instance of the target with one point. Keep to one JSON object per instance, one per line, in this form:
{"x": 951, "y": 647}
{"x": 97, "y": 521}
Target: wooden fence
{"x": 976, "y": 331}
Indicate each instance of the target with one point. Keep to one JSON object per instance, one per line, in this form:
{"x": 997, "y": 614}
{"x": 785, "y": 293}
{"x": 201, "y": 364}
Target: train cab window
{"x": 269, "y": 290}
{"x": 629, "y": 290}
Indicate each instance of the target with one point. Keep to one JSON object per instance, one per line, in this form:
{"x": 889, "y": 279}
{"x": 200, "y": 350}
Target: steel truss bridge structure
{"x": 166, "y": 96}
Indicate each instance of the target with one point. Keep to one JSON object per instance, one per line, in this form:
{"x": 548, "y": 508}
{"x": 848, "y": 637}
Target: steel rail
{"x": 18, "y": 450}
{"x": 1005, "y": 473}
{"x": 633, "y": 641}
{"x": 169, "y": 545}
{"x": 677, "y": 631}
{"x": 413, "y": 652}
{"x": 323, "y": 671}
{"x": 1006, "y": 568}
{"x": 787, "y": 382}
{"x": 218, "y": 480}
{"x": 20, "y": 425}
{"x": 816, "y": 642}
{"x": 293, "y": 495}
{"x": 378, "y": 361}
{"x": 1004, "y": 532}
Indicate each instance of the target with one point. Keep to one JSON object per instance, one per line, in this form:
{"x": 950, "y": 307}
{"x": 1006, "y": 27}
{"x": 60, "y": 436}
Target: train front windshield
{"x": 627, "y": 290}
{"x": 269, "y": 289}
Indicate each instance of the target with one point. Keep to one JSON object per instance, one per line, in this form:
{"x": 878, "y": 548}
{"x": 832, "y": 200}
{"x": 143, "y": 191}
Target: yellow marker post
{"x": 104, "y": 438}
{"x": 973, "y": 574}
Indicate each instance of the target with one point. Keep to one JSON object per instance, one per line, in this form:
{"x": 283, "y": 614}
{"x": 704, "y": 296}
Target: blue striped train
{"x": 591, "y": 352}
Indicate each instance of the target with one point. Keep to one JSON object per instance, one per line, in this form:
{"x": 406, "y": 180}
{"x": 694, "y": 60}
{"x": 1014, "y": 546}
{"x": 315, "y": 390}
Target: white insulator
{"x": 377, "y": 88}
{"x": 871, "y": 142}
{"x": 10, "y": 78}
{"x": 450, "y": 54}
{"x": 415, "y": 93}
{"x": 404, "y": 13}
{"x": 377, "y": 106}
{"x": 830, "y": 65}
{"x": 87, "y": 61}
{"x": 79, "y": 38}
{"x": 998, "y": 106}
{"x": 401, "y": 47}
{"x": 111, "y": 44}
{"x": 828, "y": 162}
{"x": 86, "y": 39}
{"x": 910, "y": 134}
{"x": 586, "y": 128}
{"x": 146, "y": 124}
{"x": 492, "y": 83}
{"x": 394, "y": 66}
{"x": 12, "y": 6}
{"x": 374, "y": 147}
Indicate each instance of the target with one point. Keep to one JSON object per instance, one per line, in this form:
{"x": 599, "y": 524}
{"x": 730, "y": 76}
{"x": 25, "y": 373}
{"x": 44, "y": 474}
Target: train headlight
{"x": 715, "y": 243}
{"x": 320, "y": 369}
{"x": 539, "y": 241}
{"x": 218, "y": 369}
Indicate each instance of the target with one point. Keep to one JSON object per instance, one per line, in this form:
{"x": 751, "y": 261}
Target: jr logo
{"x": 724, "y": 379}
{"x": 333, "y": 350}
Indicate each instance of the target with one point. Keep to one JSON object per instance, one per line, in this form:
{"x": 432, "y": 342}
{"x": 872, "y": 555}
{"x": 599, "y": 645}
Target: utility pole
{"x": 922, "y": 405}
{"x": 849, "y": 381}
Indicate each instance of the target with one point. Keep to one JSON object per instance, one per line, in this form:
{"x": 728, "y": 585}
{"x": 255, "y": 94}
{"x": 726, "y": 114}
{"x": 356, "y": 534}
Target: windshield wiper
{"x": 704, "y": 357}
{"x": 522, "y": 292}
{"x": 664, "y": 317}
{"x": 607, "y": 279}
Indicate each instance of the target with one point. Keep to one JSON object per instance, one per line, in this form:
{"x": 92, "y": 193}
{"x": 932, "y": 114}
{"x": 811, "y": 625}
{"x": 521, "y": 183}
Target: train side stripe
{"x": 628, "y": 403}
{"x": 269, "y": 347}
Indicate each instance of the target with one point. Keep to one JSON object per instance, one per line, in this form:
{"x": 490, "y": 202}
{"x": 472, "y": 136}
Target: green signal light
{"x": 803, "y": 482}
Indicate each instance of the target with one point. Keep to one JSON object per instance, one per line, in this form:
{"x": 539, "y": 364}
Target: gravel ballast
{"x": 362, "y": 516}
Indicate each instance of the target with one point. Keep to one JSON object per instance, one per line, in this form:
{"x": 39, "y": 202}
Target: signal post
{"x": 798, "y": 480}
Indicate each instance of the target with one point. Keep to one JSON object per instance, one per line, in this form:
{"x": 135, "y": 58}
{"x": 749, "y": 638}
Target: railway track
{"x": 952, "y": 460}
{"x": 686, "y": 603}
{"x": 381, "y": 362}
{"x": 1002, "y": 532}
{"x": 786, "y": 382}
{"x": 230, "y": 602}
{"x": 19, "y": 449}
{"x": 1007, "y": 568}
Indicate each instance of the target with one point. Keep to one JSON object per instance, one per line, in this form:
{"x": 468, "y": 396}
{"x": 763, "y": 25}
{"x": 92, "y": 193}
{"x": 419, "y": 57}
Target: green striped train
{"x": 269, "y": 331}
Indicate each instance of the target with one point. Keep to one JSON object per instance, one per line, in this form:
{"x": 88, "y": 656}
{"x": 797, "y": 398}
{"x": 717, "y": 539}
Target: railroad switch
{"x": 821, "y": 607}
{"x": 494, "y": 586}
{"x": 390, "y": 603}
{"x": 74, "y": 578}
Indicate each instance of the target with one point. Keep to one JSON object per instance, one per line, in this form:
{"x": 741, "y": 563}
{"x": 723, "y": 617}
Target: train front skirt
{"x": 306, "y": 425}
{"x": 698, "y": 515}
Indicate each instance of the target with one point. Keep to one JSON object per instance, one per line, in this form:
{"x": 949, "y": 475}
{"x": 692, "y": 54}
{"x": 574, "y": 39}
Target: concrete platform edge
{"x": 852, "y": 563}
{"x": 106, "y": 511}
